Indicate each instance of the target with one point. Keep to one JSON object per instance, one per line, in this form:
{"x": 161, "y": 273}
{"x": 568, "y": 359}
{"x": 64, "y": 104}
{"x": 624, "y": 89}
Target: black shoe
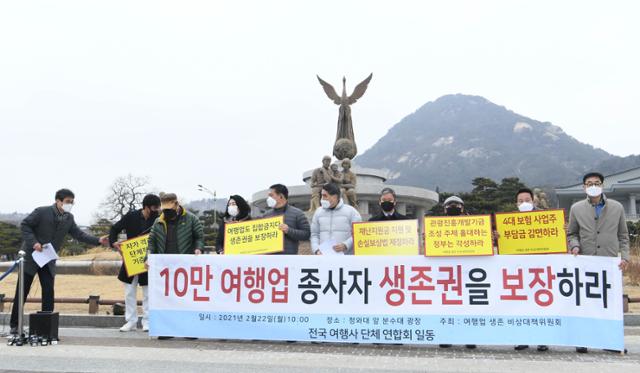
{"x": 445, "y": 346}
{"x": 617, "y": 351}
{"x": 521, "y": 347}
{"x": 543, "y": 348}
{"x": 581, "y": 350}
{"x": 471, "y": 347}
{"x": 164, "y": 338}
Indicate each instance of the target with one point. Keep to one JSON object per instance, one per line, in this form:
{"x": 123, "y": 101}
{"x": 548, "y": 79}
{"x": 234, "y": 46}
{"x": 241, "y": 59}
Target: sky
{"x": 224, "y": 93}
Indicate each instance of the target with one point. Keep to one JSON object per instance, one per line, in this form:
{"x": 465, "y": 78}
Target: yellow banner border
{"x": 564, "y": 216}
{"x": 124, "y": 262}
{"x": 251, "y": 221}
{"x": 460, "y": 216}
{"x": 389, "y": 222}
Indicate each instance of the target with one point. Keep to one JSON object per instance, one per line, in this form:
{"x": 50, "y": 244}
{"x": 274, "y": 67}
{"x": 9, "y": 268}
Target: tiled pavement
{"x": 107, "y": 350}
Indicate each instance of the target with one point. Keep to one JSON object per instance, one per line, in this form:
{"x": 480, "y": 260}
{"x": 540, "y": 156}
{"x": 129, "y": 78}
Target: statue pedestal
{"x": 412, "y": 201}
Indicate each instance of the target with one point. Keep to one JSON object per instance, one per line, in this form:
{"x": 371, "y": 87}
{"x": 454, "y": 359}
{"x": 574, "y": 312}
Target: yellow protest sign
{"x": 260, "y": 236}
{"x": 133, "y": 253}
{"x": 534, "y": 232}
{"x": 458, "y": 235}
{"x": 397, "y": 237}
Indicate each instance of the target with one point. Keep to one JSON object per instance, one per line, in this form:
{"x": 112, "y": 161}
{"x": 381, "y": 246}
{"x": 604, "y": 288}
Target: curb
{"x": 632, "y": 319}
{"x": 75, "y": 321}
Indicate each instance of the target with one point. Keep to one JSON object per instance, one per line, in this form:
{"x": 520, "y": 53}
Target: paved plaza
{"x": 108, "y": 350}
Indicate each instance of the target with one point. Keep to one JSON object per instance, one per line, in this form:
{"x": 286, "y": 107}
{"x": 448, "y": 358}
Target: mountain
{"x": 617, "y": 164}
{"x": 206, "y": 204}
{"x": 13, "y": 218}
{"x": 450, "y": 141}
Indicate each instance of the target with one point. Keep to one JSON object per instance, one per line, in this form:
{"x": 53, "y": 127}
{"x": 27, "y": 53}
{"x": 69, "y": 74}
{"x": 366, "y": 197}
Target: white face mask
{"x": 594, "y": 191}
{"x": 271, "y": 202}
{"x": 66, "y": 207}
{"x": 525, "y": 206}
{"x": 325, "y": 203}
{"x": 233, "y": 210}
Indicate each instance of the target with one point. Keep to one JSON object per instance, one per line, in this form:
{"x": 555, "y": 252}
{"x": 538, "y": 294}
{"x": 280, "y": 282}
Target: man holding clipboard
{"x": 45, "y": 229}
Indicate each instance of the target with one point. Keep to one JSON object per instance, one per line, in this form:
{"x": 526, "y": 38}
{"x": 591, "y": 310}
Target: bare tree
{"x": 125, "y": 194}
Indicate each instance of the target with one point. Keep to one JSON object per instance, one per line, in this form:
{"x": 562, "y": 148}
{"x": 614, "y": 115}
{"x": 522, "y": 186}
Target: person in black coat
{"x": 237, "y": 210}
{"x": 388, "y": 207}
{"x": 47, "y": 225}
{"x": 135, "y": 223}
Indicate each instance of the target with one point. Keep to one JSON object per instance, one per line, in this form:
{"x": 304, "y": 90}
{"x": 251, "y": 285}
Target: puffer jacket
{"x": 334, "y": 224}
{"x": 189, "y": 234}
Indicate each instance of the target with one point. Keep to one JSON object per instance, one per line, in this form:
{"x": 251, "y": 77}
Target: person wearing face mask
{"x": 135, "y": 223}
{"x": 332, "y": 221}
{"x": 388, "y": 207}
{"x": 48, "y": 225}
{"x": 525, "y": 203}
{"x": 296, "y": 226}
{"x": 525, "y": 200}
{"x": 237, "y": 210}
{"x": 454, "y": 206}
{"x": 176, "y": 231}
{"x": 597, "y": 225}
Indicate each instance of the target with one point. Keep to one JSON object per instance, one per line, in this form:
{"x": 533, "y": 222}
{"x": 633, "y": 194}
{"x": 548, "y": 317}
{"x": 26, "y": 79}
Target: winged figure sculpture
{"x": 345, "y": 145}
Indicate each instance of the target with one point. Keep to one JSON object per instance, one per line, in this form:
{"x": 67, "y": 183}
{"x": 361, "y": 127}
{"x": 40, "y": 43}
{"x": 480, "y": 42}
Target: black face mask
{"x": 387, "y": 206}
{"x": 153, "y": 215}
{"x": 169, "y": 214}
{"x": 454, "y": 211}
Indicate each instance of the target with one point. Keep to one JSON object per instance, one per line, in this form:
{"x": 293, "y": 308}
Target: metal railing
{"x": 95, "y": 302}
{"x": 626, "y": 300}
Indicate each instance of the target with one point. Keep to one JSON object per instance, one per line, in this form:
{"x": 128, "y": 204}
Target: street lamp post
{"x": 215, "y": 211}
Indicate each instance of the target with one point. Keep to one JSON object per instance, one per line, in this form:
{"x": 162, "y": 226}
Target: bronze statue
{"x": 540, "y": 199}
{"x": 319, "y": 177}
{"x": 345, "y": 145}
{"x": 336, "y": 175}
{"x": 349, "y": 184}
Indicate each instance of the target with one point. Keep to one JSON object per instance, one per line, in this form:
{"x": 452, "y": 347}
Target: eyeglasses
{"x": 598, "y": 184}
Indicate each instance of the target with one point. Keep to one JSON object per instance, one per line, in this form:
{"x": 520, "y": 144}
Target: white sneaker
{"x": 129, "y": 326}
{"x": 145, "y": 326}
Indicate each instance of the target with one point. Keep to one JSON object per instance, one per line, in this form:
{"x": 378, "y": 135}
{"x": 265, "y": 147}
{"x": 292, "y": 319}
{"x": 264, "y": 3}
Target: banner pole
{"x": 21, "y": 255}
{"x": 19, "y": 338}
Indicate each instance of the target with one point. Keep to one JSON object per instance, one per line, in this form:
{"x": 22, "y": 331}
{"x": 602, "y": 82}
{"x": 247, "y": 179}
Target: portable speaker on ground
{"x": 44, "y": 324}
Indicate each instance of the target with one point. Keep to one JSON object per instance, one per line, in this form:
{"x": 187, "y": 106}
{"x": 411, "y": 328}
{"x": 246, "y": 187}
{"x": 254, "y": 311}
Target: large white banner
{"x": 524, "y": 299}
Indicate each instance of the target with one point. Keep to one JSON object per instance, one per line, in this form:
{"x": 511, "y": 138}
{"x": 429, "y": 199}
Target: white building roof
{"x": 629, "y": 179}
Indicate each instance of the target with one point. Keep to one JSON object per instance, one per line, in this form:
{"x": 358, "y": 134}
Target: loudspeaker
{"x": 44, "y": 324}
